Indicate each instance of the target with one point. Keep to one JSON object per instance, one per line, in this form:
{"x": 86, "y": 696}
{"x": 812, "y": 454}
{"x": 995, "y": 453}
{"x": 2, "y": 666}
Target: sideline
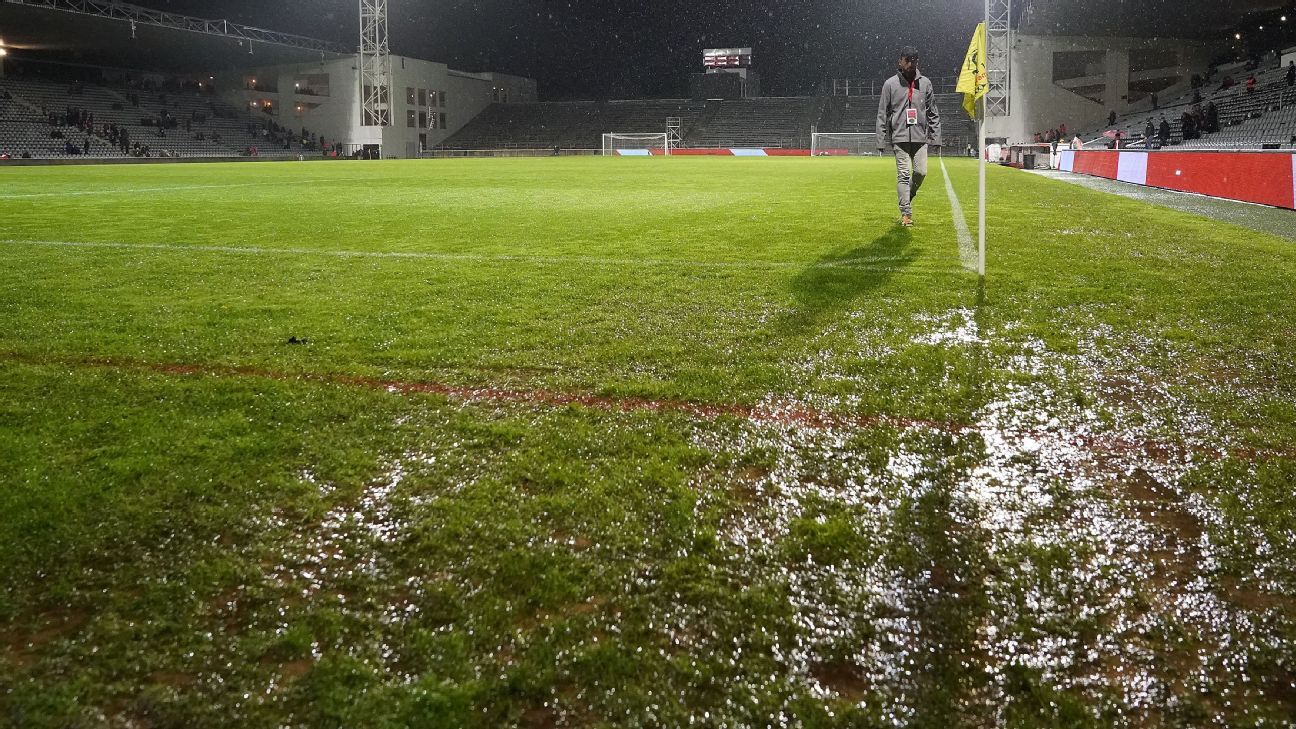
{"x": 967, "y": 249}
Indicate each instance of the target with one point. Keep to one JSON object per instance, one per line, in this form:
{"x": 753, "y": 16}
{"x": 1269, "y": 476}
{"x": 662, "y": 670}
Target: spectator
{"x": 1251, "y": 84}
{"x": 1149, "y": 132}
{"x": 1189, "y": 126}
{"x": 1164, "y": 131}
{"x": 1077, "y": 142}
{"x": 1291, "y": 74}
{"x": 1212, "y": 118}
{"x": 1111, "y": 119}
{"x": 1062, "y": 131}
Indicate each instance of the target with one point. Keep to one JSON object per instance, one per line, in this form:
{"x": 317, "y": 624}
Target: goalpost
{"x": 843, "y": 144}
{"x": 637, "y": 145}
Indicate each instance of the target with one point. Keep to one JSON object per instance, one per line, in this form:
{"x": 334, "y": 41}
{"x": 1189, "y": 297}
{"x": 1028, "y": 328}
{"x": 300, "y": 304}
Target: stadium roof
{"x": 115, "y": 34}
{"x": 1190, "y": 19}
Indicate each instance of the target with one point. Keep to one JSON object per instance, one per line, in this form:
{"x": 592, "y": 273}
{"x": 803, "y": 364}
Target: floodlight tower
{"x": 375, "y": 65}
{"x": 998, "y": 57}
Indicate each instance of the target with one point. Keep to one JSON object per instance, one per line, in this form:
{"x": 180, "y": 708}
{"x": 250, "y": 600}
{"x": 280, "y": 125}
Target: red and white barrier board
{"x": 728, "y": 152}
{"x": 1267, "y": 178}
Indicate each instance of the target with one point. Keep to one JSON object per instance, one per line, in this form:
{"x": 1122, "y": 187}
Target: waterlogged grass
{"x": 636, "y": 443}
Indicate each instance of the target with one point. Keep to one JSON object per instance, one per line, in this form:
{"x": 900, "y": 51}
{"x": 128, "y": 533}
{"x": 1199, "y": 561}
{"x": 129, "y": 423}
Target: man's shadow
{"x": 839, "y": 278}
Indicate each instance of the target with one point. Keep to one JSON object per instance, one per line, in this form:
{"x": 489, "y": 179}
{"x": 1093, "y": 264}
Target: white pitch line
{"x": 857, "y": 264}
{"x": 173, "y": 188}
{"x": 967, "y": 250}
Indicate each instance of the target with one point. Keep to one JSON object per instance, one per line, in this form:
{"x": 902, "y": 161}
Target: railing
{"x": 112, "y": 10}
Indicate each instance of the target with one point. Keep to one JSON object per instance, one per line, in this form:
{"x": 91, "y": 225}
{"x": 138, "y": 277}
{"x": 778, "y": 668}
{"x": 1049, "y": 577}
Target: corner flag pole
{"x": 981, "y": 225}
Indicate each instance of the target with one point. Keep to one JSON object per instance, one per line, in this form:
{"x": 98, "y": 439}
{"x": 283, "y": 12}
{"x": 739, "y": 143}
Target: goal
{"x": 843, "y": 144}
{"x": 638, "y": 145}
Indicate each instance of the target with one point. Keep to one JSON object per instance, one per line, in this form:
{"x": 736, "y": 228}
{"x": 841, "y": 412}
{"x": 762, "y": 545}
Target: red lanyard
{"x": 911, "y": 85}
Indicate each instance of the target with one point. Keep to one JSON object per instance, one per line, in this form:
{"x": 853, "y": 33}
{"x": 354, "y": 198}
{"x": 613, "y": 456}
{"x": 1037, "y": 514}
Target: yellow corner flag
{"x": 973, "y": 81}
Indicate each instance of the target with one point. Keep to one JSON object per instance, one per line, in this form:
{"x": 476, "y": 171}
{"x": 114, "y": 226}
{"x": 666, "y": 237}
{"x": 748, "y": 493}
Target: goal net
{"x": 640, "y": 145}
{"x": 843, "y": 144}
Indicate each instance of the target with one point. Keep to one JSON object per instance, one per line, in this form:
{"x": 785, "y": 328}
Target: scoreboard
{"x": 715, "y": 58}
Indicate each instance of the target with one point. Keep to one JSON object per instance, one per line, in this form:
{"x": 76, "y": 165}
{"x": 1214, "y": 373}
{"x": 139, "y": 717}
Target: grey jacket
{"x": 891, "y": 126}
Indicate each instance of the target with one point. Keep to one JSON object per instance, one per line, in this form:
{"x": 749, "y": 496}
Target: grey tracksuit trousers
{"x": 911, "y": 170}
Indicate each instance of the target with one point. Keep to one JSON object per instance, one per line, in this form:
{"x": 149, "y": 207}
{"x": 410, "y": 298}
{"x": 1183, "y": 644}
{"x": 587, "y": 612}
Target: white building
{"x": 1078, "y": 81}
{"x": 428, "y": 101}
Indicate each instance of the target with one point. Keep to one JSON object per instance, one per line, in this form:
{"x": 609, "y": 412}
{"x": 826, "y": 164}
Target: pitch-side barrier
{"x": 1263, "y": 177}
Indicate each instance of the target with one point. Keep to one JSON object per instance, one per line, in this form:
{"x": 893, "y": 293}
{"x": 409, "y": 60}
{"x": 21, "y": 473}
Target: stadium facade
{"x": 1079, "y": 80}
{"x": 428, "y": 101}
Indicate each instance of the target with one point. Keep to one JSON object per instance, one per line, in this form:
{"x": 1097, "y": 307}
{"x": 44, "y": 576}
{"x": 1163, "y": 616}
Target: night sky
{"x": 590, "y": 49}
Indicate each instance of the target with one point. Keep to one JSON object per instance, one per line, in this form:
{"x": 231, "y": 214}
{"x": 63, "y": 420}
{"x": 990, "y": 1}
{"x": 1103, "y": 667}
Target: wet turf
{"x": 606, "y": 443}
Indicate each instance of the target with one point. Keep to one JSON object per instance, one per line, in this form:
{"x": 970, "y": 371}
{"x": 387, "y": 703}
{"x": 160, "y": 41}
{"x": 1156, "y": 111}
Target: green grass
{"x": 636, "y": 443}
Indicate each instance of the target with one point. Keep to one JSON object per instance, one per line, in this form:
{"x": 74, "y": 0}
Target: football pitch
{"x": 637, "y": 442}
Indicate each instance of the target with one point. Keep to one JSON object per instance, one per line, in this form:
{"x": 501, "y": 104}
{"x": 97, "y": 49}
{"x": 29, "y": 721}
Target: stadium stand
{"x": 178, "y": 121}
{"x": 183, "y": 120}
{"x": 645, "y": 117}
{"x": 763, "y": 122}
{"x": 1262, "y": 119}
{"x": 570, "y": 125}
{"x": 768, "y": 122}
{"x": 521, "y": 126}
{"x": 850, "y": 115}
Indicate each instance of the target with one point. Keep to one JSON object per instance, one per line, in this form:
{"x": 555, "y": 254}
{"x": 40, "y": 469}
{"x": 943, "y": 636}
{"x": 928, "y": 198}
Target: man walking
{"x": 908, "y": 121}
